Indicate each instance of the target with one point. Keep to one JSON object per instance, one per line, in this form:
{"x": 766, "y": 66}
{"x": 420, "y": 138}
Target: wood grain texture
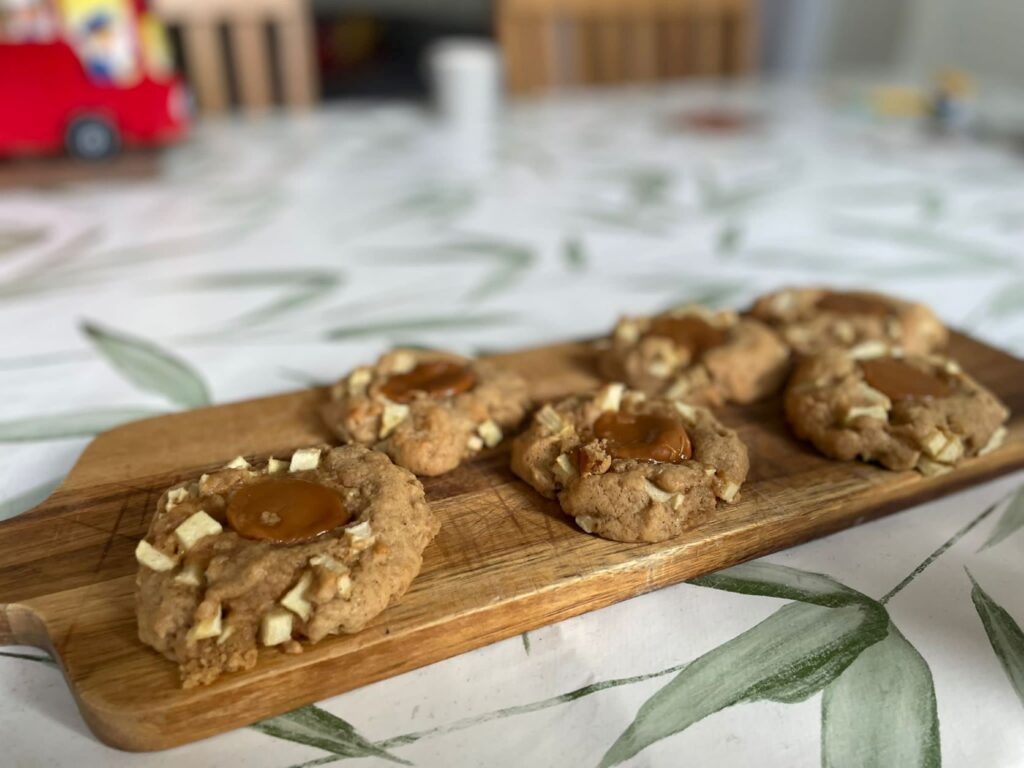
{"x": 506, "y": 560}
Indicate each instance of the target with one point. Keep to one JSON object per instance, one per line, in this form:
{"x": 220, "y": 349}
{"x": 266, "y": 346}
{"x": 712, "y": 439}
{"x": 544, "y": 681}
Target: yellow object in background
{"x": 898, "y": 101}
{"x": 956, "y": 83}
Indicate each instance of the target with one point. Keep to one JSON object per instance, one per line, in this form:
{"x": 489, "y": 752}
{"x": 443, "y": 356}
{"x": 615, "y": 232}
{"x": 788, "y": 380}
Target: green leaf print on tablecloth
{"x": 509, "y": 261}
{"x": 881, "y": 710}
{"x": 15, "y": 237}
{"x": 411, "y": 325}
{"x": 1004, "y": 634}
{"x": 574, "y": 254}
{"x": 318, "y": 728}
{"x": 301, "y": 288}
{"x": 59, "y": 426}
{"x": 1011, "y": 521}
{"x": 149, "y": 367}
{"x": 1008, "y": 300}
{"x": 788, "y": 657}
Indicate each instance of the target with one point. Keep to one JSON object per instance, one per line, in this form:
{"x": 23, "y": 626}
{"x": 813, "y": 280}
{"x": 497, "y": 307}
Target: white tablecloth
{"x": 271, "y": 254}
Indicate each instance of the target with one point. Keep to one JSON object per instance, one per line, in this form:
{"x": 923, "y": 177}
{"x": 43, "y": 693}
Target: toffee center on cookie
{"x": 286, "y": 511}
{"x": 435, "y": 378}
{"x": 643, "y": 437}
{"x": 854, "y": 303}
{"x": 898, "y": 380}
{"x": 690, "y": 332}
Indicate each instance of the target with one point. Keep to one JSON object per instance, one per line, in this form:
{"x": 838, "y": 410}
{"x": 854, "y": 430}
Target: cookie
{"x": 813, "y": 319}
{"x": 428, "y": 411}
{"x": 629, "y": 467}
{"x": 904, "y": 411}
{"x": 698, "y": 355}
{"x": 272, "y": 554}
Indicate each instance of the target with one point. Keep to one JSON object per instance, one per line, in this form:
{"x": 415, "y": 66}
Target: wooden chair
{"x": 200, "y": 23}
{"x": 551, "y": 43}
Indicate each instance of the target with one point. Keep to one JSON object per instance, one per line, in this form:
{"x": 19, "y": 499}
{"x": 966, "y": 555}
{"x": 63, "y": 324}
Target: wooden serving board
{"x": 506, "y": 560}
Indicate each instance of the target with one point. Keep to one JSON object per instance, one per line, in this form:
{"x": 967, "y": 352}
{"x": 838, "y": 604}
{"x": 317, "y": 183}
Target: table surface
{"x": 271, "y": 254}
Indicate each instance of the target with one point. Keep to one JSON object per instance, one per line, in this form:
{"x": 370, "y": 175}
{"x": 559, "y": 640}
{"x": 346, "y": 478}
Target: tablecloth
{"x": 271, "y": 254}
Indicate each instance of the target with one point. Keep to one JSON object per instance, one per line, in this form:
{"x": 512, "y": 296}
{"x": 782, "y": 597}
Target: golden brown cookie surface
{"x": 813, "y": 319}
{"x": 429, "y": 411}
{"x": 270, "y": 554}
{"x": 903, "y": 411}
{"x": 630, "y": 467}
{"x": 696, "y": 354}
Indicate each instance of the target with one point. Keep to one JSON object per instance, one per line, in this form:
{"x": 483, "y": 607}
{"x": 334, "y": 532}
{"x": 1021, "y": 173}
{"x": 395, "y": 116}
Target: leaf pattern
{"x": 60, "y": 426}
{"x": 881, "y": 710}
{"x": 315, "y": 727}
{"x": 770, "y": 580}
{"x": 149, "y": 367}
{"x": 1004, "y": 634}
{"x": 390, "y": 328}
{"x": 303, "y": 288}
{"x": 788, "y": 656}
{"x": 574, "y": 254}
{"x": 1011, "y": 521}
{"x": 509, "y": 260}
{"x": 14, "y": 238}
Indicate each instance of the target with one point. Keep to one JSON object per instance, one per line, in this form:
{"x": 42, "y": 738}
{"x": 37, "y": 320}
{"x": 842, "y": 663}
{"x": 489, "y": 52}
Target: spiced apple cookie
{"x": 629, "y": 467}
{"x": 696, "y": 354}
{"x": 274, "y": 553}
{"x": 903, "y": 411}
{"x": 428, "y": 411}
{"x": 813, "y": 319}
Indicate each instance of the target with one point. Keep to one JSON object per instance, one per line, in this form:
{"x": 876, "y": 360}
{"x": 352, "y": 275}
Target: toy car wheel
{"x": 92, "y": 138}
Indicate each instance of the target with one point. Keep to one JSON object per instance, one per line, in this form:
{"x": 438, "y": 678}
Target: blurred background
{"x": 238, "y": 55}
{"x": 253, "y": 195}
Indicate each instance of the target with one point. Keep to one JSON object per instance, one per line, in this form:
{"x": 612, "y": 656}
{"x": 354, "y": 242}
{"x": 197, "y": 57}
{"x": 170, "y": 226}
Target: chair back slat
{"x": 250, "y": 27}
{"x": 549, "y": 43}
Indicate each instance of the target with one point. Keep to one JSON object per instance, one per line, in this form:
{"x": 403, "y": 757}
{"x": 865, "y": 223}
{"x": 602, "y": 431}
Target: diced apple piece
{"x": 304, "y": 460}
{"x": 609, "y": 398}
{"x": 206, "y": 628}
{"x": 360, "y": 536}
{"x": 490, "y": 432}
{"x": 276, "y": 627}
{"x": 295, "y": 599}
{"x": 394, "y": 414}
{"x": 190, "y": 576}
{"x": 153, "y": 558}
{"x": 198, "y": 526}
{"x": 175, "y": 497}
{"x": 564, "y": 470}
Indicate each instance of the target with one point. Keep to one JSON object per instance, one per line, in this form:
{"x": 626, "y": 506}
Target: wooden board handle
{"x": 6, "y": 633}
{"x": 21, "y": 626}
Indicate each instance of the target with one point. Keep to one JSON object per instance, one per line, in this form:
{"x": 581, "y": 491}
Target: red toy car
{"x": 89, "y": 89}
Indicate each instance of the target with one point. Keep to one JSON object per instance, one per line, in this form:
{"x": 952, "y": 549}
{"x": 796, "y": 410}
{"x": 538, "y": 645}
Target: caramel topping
{"x": 689, "y": 332}
{"x": 285, "y": 510}
{"x": 643, "y": 436}
{"x": 854, "y": 303}
{"x": 901, "y": 381}
{"x": 438, "y": 378}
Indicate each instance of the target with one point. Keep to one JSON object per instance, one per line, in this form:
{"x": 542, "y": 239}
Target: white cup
{"x": 465, "y": 76}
